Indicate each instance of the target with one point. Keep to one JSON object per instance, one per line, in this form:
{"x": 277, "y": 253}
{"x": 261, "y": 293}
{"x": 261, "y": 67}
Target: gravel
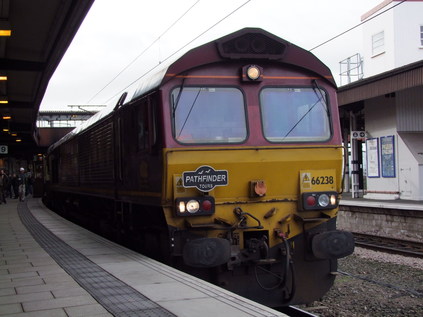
{"x": 375, "y": 284}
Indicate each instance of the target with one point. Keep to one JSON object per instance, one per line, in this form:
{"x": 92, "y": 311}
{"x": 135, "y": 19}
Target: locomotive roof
{"x": 229, "y": 47}
{"x": 263, "y": 46}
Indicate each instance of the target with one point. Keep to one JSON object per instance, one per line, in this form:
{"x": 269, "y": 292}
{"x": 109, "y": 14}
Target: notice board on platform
{"x": 388, "y": 156}
{"x": 372, "y": 150}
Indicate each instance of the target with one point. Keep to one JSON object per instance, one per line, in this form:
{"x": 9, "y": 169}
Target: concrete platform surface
{"x": 400, "y": 204}
{"x": 69, "y": 271}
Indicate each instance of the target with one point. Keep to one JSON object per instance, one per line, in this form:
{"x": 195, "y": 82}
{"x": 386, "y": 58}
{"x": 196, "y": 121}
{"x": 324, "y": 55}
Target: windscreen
{"x": 294, "y": 114}
{"x": 208, "y": 115}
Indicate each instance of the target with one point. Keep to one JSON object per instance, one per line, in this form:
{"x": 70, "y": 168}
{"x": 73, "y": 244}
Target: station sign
{"x": 4, "y": 149}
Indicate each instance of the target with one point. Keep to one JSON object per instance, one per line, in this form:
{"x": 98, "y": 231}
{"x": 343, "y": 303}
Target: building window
{"x": 378, "y": 43}
{"x": 421, "y": 35}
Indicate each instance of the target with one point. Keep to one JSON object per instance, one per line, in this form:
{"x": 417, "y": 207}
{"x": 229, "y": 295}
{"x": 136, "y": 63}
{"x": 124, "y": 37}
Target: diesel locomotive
{"x": 226, "y": 163}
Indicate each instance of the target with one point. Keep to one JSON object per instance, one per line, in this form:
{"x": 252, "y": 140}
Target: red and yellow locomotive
{"x": 227, "y": 163}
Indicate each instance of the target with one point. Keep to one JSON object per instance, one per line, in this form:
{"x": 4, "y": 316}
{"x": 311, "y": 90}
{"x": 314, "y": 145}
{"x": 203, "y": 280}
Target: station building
{"x": 382, "y": 112}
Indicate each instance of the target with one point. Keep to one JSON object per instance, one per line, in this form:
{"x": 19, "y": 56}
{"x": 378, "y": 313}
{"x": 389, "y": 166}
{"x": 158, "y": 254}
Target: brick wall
{"x": 400, "y": 224}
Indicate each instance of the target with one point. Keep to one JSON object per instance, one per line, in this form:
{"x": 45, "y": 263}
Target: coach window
{"x": 208, "y": 115}
{"x": 294, "y": 115}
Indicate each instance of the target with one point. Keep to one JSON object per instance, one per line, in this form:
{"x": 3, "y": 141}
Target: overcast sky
{"x": 116, "y": 34}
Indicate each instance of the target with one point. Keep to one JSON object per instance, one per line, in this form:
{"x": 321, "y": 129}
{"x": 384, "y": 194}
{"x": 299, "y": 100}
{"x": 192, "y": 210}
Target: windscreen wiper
{"x": 189, "y": 113}
{"x": 176, "y": 103}
{"x": 308, "y": 111}
{"x": 316, "y": 86}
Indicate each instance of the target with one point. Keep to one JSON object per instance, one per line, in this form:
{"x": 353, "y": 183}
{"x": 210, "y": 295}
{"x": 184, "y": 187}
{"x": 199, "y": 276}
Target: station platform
{"x": 401, "y": 204}
{"x": 52, "y": 267}
{"x": 401, "y": 219}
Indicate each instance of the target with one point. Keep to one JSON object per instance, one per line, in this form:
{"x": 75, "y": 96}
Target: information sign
{"x": 358, "y": 134}
{"x": 372, "y": 150}
{"x": 4, "y": 149}
{"x": 388, "y": 156}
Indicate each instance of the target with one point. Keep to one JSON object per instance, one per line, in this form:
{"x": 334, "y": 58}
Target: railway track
{"x": 391, "y": 245}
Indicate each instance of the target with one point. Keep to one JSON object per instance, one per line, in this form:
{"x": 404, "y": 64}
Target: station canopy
{"x": 34, "y": 36}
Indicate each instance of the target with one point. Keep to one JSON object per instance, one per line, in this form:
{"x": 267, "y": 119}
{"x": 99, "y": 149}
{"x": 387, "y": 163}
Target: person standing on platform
{"x": 22, "y": 184}
{"x": 29, "y": 183}
{"x": 4, "y": 183}
{"x": 14, "y": 186}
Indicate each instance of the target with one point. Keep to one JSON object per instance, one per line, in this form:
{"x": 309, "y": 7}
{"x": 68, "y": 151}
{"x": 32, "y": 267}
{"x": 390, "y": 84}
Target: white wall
{"x": 376, "y": 64}
{"x": 407, "y": 20}
{"x": 420, "y": 197}
{"x": 410, "y": 165}
{"x": 402, "y": 46}
{"x": 380, "y": 114}
{"x": 381, "y": 117}
{"x": 401, "y": 26}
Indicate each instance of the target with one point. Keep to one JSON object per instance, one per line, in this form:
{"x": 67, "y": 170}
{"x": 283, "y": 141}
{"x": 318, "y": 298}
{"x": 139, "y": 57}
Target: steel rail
{"x": 390, "y": 245}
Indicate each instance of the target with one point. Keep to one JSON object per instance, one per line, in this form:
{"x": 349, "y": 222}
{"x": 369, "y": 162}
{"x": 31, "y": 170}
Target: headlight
{"x": 333, "y": 199}
{"x": 181, "y": 206}
{"x": 253, "y": 72}
{"x": 323, "y": 200}
{"x": 193, "y": 206}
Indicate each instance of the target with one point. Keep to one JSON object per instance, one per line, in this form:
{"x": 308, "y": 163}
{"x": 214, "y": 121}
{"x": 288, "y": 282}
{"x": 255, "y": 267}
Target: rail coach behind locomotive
{"x": 226, "y": 163}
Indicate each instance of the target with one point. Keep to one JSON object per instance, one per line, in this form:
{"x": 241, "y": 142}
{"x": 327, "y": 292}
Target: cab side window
{"x": 142, "y": 126}
{"x": 146, "y": 126}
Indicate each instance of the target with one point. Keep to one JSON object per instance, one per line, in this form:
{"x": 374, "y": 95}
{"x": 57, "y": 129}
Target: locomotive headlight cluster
{"x": 195, "y": 206}
{"x": 319, "y": 200}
